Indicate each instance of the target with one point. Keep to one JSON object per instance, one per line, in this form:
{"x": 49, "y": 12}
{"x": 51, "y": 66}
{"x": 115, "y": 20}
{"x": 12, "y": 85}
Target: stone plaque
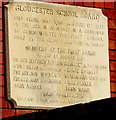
{"x": 57, "y": 55}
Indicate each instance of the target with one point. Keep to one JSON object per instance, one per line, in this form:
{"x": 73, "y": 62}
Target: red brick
{"x": 99, "y": 3}
{"x": 0, "y": 4}
{"x": 20, "y": 112}
{"x": 113, "y": 86}
{"x": 0, "y": 12}
{"x": 115, "y": 5}
{"x": 112, "y": 24}
{"x": 1, "y": 80}
{"x": 0, "y": 103}
{"x": 1, "y": 46}
{"x": 4, "y": 103}
{"x": 2, "y": 92}
{"x": 88, "y": 3}
{"x": 1, "y": 35}
{"x": 79, "y": 2}
{"x": 109, "y": 4}
{"x": 112, "y": 55}
{"x": 113, "y": 94}
{"x": 0, "y": 113}
{"x": 47, "y": 0}
{"x": 1, "y": 58}
{"x": 1, "y": 69}
{"x": 112, "y": 76}
{"x": 58, "y": 1}
{"x": 109, "y": 13}
{"x": 8, "y": 112}
{"x": 5, "y": 2}
{"x": 112, "y": 34}
{"x": 10, "y": 105}
{"x": 69, "y": 2}
{"x": 113, "y": 65}
{"x": 0, "y": 24}
{"x": 112, "y": 44}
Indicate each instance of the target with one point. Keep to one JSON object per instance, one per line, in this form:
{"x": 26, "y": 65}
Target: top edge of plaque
{"x": 62, "y": 5}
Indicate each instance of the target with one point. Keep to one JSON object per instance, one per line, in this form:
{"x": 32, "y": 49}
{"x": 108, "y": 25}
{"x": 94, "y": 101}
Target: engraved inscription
{"x": 58, "y": 55}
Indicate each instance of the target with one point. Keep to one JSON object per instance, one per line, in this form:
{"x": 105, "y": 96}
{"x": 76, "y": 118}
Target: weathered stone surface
{"x": 57, "y": 55}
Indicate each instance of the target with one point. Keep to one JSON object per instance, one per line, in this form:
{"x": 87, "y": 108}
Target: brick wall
{"x": 108, "y": 8}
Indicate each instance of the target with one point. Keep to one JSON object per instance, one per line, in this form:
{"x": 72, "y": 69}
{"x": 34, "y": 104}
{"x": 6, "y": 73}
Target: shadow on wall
{"x": 99, "y": 110}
